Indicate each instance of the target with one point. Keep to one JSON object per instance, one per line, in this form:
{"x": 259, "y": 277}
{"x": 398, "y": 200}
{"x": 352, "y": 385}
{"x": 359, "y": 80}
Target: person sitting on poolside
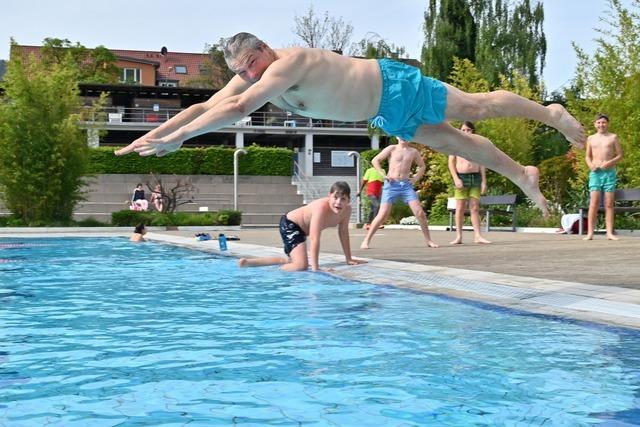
{"x": 308, "y": 222}
{"x": 138, "y": 200}
{"x": 138, "y": 233}
{"x": 392, "y": 95}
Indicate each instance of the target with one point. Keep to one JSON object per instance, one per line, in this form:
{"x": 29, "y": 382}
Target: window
{"x": 181, "y": 69}
{"x": 131, "y": 76}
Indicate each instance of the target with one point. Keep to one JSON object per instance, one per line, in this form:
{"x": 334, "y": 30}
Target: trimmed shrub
{"x": 130, "y": 218}
{"x": 194, "y": 161}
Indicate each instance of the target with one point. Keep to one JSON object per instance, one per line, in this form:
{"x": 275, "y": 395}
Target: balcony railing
{"x": 115, "y": 115}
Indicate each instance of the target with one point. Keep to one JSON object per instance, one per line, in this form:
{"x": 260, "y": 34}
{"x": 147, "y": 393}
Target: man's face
{"x": 337, "y": 202}
{"x": 251, "y": 64}
{"x": 602, "y": 125}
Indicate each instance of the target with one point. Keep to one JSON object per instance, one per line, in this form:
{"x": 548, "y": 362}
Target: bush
{"x": 194, "y": 161}
{"x": 128, "y": 218}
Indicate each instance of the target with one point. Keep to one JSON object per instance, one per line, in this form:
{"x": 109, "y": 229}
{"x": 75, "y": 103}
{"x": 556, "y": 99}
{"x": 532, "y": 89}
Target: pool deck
{"x": 597, "y": 281}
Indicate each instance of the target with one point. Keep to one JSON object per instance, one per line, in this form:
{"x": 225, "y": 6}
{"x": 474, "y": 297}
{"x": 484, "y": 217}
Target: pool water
{"x": 102, "y": 332}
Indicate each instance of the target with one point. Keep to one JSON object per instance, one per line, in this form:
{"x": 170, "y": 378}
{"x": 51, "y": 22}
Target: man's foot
{"x": 456, "y": 241}
{"x": 432, "y": 244}
{"x": 588, "y": 237}
{"x": 243, "y": 262}
{"x": 567, "y": 125}
{"x": 481, "y": 240}
{"x": 612, "y": 237}
{"x": 530, "y": 186}
{"x": 364, "y": 245}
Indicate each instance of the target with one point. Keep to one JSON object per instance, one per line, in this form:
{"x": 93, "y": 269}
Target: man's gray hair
{"x": 235, "y": 45}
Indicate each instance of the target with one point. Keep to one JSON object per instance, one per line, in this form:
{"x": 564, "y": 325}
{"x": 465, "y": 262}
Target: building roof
{"x": 165, "y": 63}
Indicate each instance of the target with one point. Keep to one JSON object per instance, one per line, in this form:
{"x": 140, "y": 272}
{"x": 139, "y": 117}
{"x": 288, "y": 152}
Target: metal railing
{"x": 115, "y": 115}
{"x": 304, "y": 184}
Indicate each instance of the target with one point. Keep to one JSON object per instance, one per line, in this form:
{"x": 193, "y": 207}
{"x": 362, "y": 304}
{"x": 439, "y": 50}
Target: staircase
{"x": 313, "y": 187}
{"x": 262, "y": 199}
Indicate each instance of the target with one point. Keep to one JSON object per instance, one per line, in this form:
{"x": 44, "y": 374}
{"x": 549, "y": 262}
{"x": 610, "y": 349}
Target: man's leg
{"x": 447, "y": 139}
{"x": 475, "y": 220}
{"x": 592, "y": 216}
{"x": 383, "y": 213}
{"x": 502, "y": 103}
{"x": 461, "y": 206}
{"x": 298, "y": 259}
{"x": 609, "y": 214}
{"x": 418, "y": 212}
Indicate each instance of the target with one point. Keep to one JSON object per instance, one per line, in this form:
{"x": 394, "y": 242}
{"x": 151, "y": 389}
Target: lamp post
{"x": 236, "y": 154}
{"x": 356, "y": 155}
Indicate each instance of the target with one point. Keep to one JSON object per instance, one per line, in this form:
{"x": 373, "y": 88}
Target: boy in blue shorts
{"x": 603, "y": 153}
{"x": 398, "y": 184}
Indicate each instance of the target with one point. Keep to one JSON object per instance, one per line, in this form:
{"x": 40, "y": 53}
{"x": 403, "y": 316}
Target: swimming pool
{"x": 148, "y": 334}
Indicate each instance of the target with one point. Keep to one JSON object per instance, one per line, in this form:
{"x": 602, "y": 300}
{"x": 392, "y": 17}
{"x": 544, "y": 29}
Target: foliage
{"x": 43, "y": 153}
{"x": 195, "y": 161}
{"x": 450, "y": 31}
{"x": 214, "y": 73}
{"x": 96, "y": 65}
{"x": 555, "y": 175}
{"x": 374, "y": 46}
{"x": 132, "y": 218}
{"x": 500, "y": 37}
{"x": 608, "y": 81}
{"x": 324, "y": 32}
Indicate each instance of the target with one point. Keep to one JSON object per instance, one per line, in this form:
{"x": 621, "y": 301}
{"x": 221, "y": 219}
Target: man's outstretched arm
{"x": 280, "y": 76}
{"x": 235, "y": 86}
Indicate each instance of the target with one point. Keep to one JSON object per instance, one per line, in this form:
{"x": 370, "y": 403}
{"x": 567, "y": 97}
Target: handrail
{"x": 307, "y": 186}
{"x": 115, "y": 115}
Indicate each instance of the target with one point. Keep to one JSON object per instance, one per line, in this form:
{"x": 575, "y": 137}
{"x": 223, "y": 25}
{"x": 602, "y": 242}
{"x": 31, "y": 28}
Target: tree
{"x": 374, "y": 46}
{"x": 43, "y": 153}
{"x": 93, "y": 65}
{"x": 450, "y": 31}
{"x": 510, "y": 40}
{"x": 498, "y": 38}
{"x": 608, "y": 82}
{"x": 323, "y": 32}
{"x": 215, "y": 73}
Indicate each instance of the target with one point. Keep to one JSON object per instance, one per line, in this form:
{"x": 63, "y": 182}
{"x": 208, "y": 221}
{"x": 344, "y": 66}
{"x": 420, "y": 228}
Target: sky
{"x": 188, "y": 25}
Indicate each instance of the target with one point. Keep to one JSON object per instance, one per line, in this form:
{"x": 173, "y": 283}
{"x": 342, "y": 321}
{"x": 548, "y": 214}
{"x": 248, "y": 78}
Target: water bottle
{"x": 222, "y": 240}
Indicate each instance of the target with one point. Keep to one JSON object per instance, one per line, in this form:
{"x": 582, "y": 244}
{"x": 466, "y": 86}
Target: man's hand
{"x": 148, "y": 147}
{"x": 457, "y": 182}
{"x": 355, "y": 261}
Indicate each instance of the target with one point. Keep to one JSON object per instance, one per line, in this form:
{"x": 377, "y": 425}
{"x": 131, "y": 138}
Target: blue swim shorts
{"x": 408, "y": 100}
{"x": 392, "y": 190}
{"x": 603, "y": 180}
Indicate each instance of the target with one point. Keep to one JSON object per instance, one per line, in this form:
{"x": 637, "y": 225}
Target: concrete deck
{"x": 552, "y": 274}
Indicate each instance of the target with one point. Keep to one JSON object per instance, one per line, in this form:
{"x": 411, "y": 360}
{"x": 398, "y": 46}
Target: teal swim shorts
{"x": 603, "y": 180}
{"x": 408, "y": 100}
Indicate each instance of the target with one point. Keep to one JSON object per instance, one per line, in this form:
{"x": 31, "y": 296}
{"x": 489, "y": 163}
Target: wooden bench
{"x": 624, "y": 196}
{"x": 489, "y": 205}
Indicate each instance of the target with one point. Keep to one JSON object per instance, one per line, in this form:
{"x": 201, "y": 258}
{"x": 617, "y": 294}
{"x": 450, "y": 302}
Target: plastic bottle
{"x": 222, "y": 240}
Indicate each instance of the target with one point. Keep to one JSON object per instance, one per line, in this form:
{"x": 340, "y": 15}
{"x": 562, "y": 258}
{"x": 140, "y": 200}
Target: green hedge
{"x": 195, "y": 161}
{"x": 132, "y": 218}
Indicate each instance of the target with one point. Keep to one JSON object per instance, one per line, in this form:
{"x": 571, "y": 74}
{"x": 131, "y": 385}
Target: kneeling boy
{"x": 307, "y": 222}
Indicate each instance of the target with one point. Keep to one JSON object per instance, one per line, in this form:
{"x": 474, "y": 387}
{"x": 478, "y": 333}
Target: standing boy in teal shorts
{"x": 470, "y": 181}
{"x": 603, "y": 153}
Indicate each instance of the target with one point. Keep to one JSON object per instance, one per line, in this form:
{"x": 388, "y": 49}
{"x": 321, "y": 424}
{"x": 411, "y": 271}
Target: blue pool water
{"x": 101, "y": 332}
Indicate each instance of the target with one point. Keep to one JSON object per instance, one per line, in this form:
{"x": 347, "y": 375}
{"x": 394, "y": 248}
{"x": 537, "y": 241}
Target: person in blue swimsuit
{"x": 398, "y": 185}
{"x": 392, "y": 95}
